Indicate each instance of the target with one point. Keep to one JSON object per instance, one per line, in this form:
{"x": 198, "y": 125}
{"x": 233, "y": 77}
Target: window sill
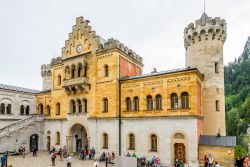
{"x": 132, "y": 149}
{"x": 104, "y": 147}
{"x": 104, "y": 111}
{"x": 154, "y": 110}
{"x": 153, "y": 151}
{"x": 179, "y": 109}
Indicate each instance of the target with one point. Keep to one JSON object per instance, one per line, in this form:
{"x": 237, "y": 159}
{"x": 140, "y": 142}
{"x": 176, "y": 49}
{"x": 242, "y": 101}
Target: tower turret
{"x": 46, "y": 75}
{"x": 204, "y": 42}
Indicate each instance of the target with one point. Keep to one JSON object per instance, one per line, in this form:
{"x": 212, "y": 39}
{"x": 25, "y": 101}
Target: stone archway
{"x": 77, "y": 138}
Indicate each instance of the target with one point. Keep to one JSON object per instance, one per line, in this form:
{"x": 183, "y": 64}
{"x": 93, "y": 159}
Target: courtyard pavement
{"x": 43, "y": 160}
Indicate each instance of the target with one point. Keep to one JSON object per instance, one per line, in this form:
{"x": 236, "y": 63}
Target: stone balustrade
{"x": 76, "y": 84}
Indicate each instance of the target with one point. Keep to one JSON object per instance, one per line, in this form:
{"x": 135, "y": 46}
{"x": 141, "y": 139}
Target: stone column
{"x": 69, "y": 144}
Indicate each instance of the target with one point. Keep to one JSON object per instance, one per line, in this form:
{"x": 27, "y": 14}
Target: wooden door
{"x": 180, "y": 153}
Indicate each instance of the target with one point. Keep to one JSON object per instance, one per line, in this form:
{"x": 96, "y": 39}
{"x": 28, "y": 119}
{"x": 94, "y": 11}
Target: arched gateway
{"x": 77, "y": 137}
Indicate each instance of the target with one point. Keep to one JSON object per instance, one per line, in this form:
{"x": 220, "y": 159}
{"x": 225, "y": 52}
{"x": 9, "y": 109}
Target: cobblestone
{"x": 43, "y": 160}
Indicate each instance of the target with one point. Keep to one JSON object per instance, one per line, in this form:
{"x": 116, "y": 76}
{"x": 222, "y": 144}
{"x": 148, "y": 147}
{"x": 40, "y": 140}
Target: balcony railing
{"x": 76, "y": 85}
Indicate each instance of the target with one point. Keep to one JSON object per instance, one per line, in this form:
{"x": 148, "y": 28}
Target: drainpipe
{"x": 119, "y": 115}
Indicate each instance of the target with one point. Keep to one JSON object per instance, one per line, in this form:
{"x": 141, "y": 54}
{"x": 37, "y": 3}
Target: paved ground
{"x": 43, "y": 160}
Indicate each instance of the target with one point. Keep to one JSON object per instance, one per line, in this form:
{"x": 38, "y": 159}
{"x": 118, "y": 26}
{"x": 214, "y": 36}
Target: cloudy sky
{"x": 33, "y": 32}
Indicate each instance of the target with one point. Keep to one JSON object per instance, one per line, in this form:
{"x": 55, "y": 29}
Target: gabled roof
{"x": 161, "y": 73}
{"x": 18, "y": 89}
{"x": 228, "y": 141}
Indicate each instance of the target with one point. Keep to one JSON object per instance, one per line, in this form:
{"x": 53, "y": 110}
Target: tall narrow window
{"x": 105, "y": 105}
{"x": 174, "y": 101}
{"x": 72, "y": 72}
{"x": 40, "y": 108}
{"x": 79, "y": 70}
{"x": 48, "y": 109}
{"x": 216, "y": 67}
{"x": 85, "y": 70}
{"x": 27, "y": 110}
{"x": 184, "y": 100}
{"x": 136, "y": 103}
{"x": 58, "y": 108}
{"x": 149, "y": 102}
{"x": 21, "y": 110}
{"x": 217, "y": 105}
{"x": 106, "y": 70}
{"x": 59, "y": 79}
{"x": 105, "y": 140}
{"x": 153, "y": 143}
{"x": 79, "y": 103}
{"x": 131, "y": 142}
{"x": 158, "y": 102}
{"x": 73, "y": 106}
{"x": 8, "y": 109}
{"x": 2, "y": 109}
{"x": 58, "y": 138}
{"x": 128, "y": 104}
{"x": 85, "y": 105}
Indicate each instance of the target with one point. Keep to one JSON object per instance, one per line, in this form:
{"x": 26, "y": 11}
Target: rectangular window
{"x": 216, "y": 67}
{"x": 217, "y": 105}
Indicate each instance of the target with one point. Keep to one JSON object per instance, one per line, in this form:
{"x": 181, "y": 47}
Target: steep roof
{"x": 18, "y": 89}
{"x": 228, "y": 141}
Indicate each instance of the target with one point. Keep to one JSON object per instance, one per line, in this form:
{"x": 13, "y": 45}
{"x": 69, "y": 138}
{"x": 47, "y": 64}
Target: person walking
{"x": 60, "y": 153}
{"x": 93, "y": 153}
{"x": 210, "y": 160}
{"x": 95, "y": 164}
{"x": 69, "y": 161}
{"x": 53, "y": 158}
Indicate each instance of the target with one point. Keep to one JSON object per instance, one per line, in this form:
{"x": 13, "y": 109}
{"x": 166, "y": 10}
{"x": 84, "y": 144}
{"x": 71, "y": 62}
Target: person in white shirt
{"x": 217, "y": 165}
{"x": 69, "y": 160}
{"x": 95, "y": 164}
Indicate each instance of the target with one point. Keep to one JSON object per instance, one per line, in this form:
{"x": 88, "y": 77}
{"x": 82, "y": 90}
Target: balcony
{"x": 80, "y": 84}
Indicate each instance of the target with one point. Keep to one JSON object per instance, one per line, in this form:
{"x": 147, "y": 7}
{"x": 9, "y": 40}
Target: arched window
{"x": 128, "y": 104}
{"x": 72, "y": 71}
{"x": 58, "y": 138}
{"x": 174, "y": 100}
{"x": 2, "y": 109}
{"x": 85, "y": 70}
{"x": 153, "y": 143}
{"x": 131, "y": 142}
{"x": 105, "y": 105}
{"x": 58, "y": 108}
{"x": 73, "y": 106}
{"x": 149, "y": 102}
{"x": 79, "y": 104}
{"x": 79, "y": 70}
{"x": 85, "y": 105}
{"x": 48, "y": 109}
{"x": 21, "y": 110}
{"x": 8, "y": 109}
{"x": 184, "y": 100}
{"x": 40, "y": 108}
{"x": 158, "y": 102}
{"x": 27, "y": 110}
{"x": 106, "y": 70}
{"x": 59, "y": 80}
{"x": 136, "y": 103}
{"x": 105, "y": 140}
{"x": 67, "y": 72}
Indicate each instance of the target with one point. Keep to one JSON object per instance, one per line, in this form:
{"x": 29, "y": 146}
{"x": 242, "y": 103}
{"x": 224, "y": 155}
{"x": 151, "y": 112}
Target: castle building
{"x": 95, "y": 94}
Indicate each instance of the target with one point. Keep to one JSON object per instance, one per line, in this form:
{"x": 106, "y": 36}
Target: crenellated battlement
{"x": 205, "y": 28}
{"x": 115, "y": 44}
{"x": 45, "y": 70}
{"x": 57, "y": 60}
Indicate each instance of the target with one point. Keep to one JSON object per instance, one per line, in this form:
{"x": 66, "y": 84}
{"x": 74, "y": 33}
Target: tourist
{"x": 182, "y": 164}
{"x": 106, "y": 161}
{"x": 206, "y": 161}
{"x": 34, "y": 151}
{"x": 53, "y": 158}
{"x": 246, "y": 161}
{"x": 93, "y": 153}
{"x": 134, "y": 155}
{"x": 95, "y": 164}
{"x": 238, "y": 162}
{"x": 210, "y": 160}
{"x": 217, "y": 165}
{"x": 143, "y": 162}
{"x": 128, "y": 155}
{"x": 90, "y": 153}
{"x": 103, "y": 156}
{"x": 69, "y": 161}
{"x": 60, "y": 153}
{"x": 3, "y": 160}
{"x": 23, "y": 152}
{"x": 113, "y": 155}
{"x": 65, "y": 152}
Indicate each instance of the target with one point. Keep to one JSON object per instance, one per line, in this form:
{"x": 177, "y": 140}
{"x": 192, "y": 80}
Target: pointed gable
{"x": 81, "y": 40}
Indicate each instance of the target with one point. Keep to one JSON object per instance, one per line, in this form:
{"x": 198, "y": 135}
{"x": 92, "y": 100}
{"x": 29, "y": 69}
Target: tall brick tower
{"x": 46, "y": 75}
{"x": 204, "y": 42}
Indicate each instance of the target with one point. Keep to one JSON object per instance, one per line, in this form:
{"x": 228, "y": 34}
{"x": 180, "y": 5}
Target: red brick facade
{"x": 128, "y": 69}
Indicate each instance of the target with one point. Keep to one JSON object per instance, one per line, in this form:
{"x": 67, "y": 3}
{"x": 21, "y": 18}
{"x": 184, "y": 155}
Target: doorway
{"x": 179, "y": 150}
{"x": 34, "y": 142}
{"x": 48, "y": 143}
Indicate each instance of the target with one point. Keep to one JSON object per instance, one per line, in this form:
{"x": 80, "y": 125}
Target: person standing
{"x": 217, "y": 165}
{"x": 69, "y": 161}
{"x": 210, "y": 160}
{"x": 90, "y": 153}
{"x": 60, "y": 153}
{"x": 206, "y": 161}
{"x": 182, "y": 164}
{"x": 246, "y": 161}
{"x": 23, "y": 152}
{"x": 93, "y": 153}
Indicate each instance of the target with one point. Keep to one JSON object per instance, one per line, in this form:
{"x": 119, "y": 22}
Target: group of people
{"x": 22, "y": 151}
{"x": 61, "y": 153}
{"x": 85, "y": 153}
{"x": 208, "y": 160}
{"x": 107, "y": 158}
{"x": 178, "y": 163}
{"x": 242, "y": 161}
